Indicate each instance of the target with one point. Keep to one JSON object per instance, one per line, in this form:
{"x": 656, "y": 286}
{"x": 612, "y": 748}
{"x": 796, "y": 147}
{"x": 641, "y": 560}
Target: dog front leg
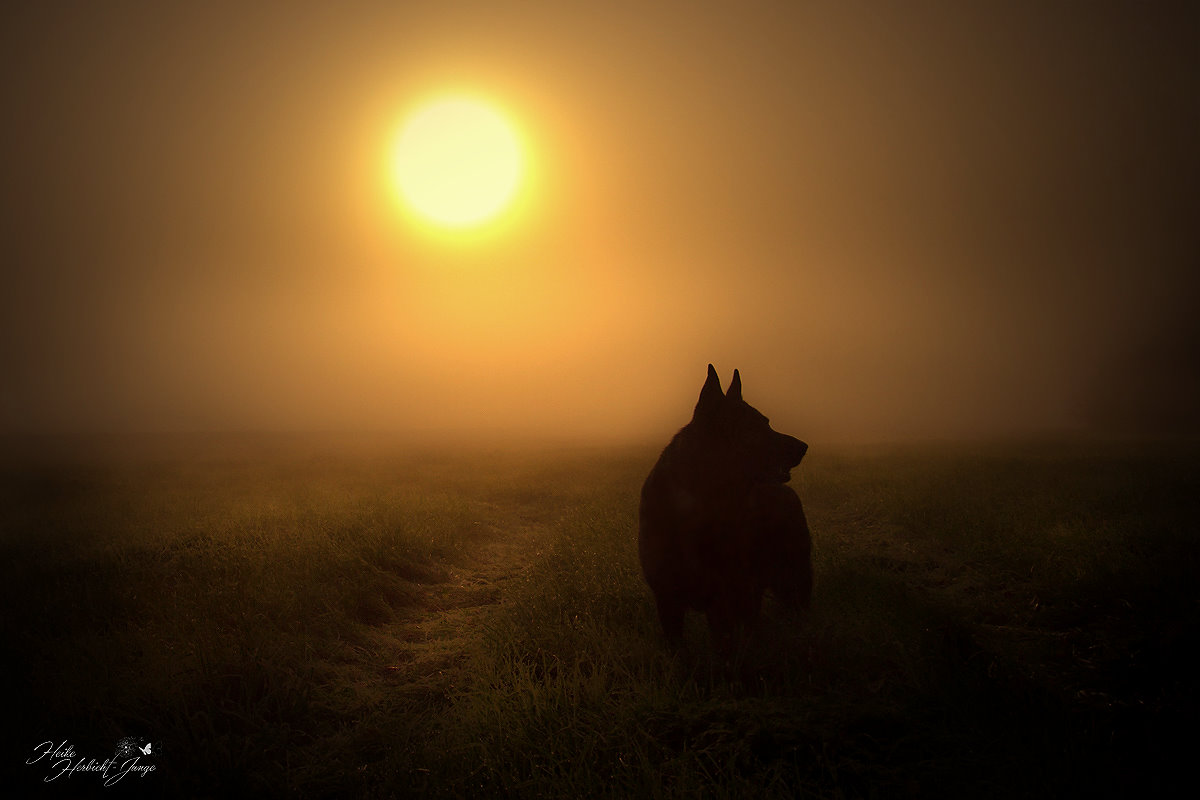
{"x": 670, "y": 616}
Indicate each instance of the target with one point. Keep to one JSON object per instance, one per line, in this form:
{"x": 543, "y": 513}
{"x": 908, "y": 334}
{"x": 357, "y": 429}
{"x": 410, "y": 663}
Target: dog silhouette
{"x": 718, "y": 526}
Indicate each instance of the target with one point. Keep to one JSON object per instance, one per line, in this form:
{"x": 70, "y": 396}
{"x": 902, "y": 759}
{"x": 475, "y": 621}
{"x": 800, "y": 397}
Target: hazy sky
{"x": 897, "y": 219}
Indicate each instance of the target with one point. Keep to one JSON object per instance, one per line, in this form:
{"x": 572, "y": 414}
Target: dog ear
{"x": 710, "y": 396}
{"x": 735, "y": 387}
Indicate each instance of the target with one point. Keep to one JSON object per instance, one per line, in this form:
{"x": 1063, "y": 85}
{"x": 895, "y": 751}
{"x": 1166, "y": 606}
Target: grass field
{"x": 289, "y": 618}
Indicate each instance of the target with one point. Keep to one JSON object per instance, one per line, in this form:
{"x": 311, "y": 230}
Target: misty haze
{"x": 338, "y": 341}
{"x": 935, "y": 223}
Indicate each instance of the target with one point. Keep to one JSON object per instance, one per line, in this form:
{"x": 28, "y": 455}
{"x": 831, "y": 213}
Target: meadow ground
{"x": 284, "y": 617}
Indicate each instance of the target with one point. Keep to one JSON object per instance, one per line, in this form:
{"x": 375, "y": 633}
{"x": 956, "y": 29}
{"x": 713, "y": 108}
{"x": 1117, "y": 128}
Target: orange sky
{"x": 933, "y": 220}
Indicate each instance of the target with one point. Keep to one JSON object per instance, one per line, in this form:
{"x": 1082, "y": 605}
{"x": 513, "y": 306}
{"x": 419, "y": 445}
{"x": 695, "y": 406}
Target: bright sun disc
{"x": 457, "y": 162}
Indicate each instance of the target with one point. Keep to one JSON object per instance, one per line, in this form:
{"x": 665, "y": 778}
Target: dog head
{"x": 743, "y": 437}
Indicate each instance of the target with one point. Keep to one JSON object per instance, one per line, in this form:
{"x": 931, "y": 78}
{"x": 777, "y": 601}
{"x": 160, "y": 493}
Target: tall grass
{"x": 317, "y": 622}
{"x": 975, "y": 621}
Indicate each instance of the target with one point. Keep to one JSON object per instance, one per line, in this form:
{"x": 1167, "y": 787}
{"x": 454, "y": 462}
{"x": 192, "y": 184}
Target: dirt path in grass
{"x": 423, "y": 646}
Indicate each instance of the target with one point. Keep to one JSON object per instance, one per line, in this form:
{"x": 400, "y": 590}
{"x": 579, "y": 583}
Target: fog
{"x": 931, "y": 220}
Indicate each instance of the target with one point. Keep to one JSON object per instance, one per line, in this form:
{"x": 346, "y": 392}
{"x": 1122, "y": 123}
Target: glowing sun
{"x": 457, "y": 162}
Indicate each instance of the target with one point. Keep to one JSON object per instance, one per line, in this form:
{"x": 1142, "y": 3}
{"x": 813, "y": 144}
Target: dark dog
{"x": 718, "y": 525}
